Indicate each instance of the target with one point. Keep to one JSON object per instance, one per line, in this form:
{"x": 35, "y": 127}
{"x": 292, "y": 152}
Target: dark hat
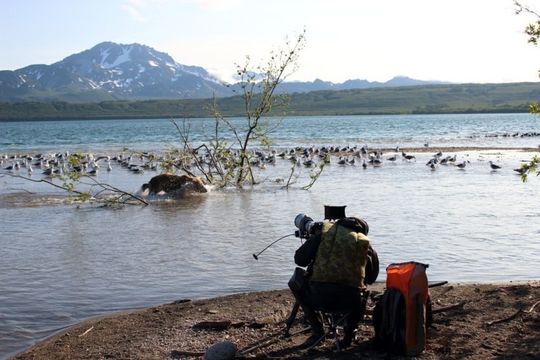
{"x": 334, "y": 212}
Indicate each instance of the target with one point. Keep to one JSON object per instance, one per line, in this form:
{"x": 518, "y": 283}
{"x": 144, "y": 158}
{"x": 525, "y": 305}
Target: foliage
{"x": 530, "y": 168}
{"x": 533, "y": 31}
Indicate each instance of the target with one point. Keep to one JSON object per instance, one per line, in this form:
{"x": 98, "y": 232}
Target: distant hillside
{"x": 427, "y": 99}
{"x": 111, "y": 71}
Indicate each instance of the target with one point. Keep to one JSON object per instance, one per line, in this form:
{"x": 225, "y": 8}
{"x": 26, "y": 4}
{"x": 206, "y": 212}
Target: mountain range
{"x": 111, "y": 71}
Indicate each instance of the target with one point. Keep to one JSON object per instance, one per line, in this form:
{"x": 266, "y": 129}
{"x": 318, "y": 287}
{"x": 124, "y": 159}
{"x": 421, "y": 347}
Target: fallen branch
{"x": 511, "y": 317}
{"x": 213, "y": 325}
{"x": 105, "y": 187}
{"x": 272, "y": 340}
{"x": 449, "y": 307}
{"x": 86, "y": 332}
{"x": 514, "y": 315}
{"x": 46, "y": 182}
{"x": 532, "y": 307}
{"x": 117, "y": 190}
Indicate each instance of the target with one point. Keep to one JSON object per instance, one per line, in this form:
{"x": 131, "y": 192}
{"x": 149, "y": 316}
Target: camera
{"x": 304, "y": 224}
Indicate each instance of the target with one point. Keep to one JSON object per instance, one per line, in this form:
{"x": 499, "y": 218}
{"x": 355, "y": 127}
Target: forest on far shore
{"x": 425, "y": 99}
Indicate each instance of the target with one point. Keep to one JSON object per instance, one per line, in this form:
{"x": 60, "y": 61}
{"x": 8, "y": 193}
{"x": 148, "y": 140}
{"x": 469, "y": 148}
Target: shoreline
{"x": 176, "y": 330}
{"x": 413, "y": 149}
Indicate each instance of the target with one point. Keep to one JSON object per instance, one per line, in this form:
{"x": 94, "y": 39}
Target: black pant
{"x": 330, "y": 297}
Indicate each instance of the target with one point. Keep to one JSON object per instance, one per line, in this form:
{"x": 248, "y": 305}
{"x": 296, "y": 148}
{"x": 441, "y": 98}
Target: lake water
{"x": 60, "y": 264}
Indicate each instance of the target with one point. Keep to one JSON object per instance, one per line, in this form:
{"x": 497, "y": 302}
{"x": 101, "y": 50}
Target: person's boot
{"x": 317, "y": 337}
{"x": 347, "y": 339}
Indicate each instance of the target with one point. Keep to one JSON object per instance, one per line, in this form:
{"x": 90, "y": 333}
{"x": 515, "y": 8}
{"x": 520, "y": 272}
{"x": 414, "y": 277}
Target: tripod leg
{"x": 292, "y": 317}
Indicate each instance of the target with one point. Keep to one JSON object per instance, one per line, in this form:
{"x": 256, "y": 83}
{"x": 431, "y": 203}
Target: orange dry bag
{"x": 411, "y": 280}
{"x": 399, "y": 317}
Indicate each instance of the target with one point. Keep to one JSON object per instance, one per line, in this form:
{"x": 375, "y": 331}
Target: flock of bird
{"x": 311, "y": 156}
{"x": 62, "y": 163}
{"x": 90, "y": 164}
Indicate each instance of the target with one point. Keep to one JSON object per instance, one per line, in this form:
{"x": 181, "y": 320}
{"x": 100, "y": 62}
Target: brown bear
{"x": 174, "y": 184}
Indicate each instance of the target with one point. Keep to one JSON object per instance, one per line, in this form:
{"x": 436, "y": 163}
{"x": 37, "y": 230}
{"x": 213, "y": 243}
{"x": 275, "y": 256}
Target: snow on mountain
{"x": 117, "y": 71}
{"x": 111, "y": 71}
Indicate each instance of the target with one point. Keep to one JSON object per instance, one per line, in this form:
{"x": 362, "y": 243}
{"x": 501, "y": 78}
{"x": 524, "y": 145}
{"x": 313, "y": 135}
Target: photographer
{"x": 339, "y": 261}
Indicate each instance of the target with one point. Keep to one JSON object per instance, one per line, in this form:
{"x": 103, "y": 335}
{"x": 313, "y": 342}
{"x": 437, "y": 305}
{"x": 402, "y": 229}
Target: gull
{"x": 520, "y": 171}
{"x": 432, "y": 162}
{"x": 462, "y": 165}
{"x": 410, "y": 157}
{"x": 494, "y": 166}
{"x": 376, "y": 162}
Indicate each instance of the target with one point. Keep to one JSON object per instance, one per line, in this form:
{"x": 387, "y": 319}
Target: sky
{"x": 461, "y": 41}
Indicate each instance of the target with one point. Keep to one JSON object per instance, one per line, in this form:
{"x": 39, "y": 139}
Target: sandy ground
{"x": 491, "y": 321}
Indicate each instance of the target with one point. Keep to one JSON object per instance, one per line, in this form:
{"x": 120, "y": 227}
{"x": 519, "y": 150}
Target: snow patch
{"x": 198, "y": 74}
{"x": 124, "y": 57}
{"x": 153, "y": 63}
{"x": 104, "y": 55}
{"x": 92, "y": 84}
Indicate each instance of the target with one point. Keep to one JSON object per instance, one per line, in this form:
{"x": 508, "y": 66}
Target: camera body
{"x": 306, "y": 225}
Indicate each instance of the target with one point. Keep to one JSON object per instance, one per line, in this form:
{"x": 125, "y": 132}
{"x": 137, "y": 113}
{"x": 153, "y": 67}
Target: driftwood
{"x": 272, "y": 339}
{"x": 532, "y": 307}
{"x": 86, "y": 332}
{"x": 511, "y": 317}
{"x": 449, "y": 307}
{"x": 224, "y": 325}
{"x": 213, "y": 325}
{"x": 514, "y": 315}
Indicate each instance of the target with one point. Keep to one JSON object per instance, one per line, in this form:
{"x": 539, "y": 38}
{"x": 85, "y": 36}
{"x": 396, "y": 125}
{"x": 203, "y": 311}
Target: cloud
{"x": 136, "y": 8}
{"x": 216, "y": 5}
{"x": 134, "y": 11}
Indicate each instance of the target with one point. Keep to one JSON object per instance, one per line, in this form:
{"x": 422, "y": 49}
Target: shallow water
{"x": 61, "y": 264}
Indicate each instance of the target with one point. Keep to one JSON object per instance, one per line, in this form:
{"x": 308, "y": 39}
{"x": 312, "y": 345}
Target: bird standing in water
{"x": 494, "y": 166}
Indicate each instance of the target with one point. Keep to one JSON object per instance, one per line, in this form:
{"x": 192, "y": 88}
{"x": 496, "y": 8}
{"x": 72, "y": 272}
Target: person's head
{"x": 355, "y": 223}
{"x": 362, "y": 224}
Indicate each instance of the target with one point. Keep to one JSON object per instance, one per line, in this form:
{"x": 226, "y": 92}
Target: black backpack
{"x": 389, "y": 322}
{"x": 372, "y": 266}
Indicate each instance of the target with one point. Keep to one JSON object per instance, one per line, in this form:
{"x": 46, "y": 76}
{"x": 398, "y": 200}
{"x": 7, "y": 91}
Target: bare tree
{"x": 230, "y": 162}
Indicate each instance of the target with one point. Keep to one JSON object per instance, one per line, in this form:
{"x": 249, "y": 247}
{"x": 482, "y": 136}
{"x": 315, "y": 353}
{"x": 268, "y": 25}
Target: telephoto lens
{"x": 304, "y": 224}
